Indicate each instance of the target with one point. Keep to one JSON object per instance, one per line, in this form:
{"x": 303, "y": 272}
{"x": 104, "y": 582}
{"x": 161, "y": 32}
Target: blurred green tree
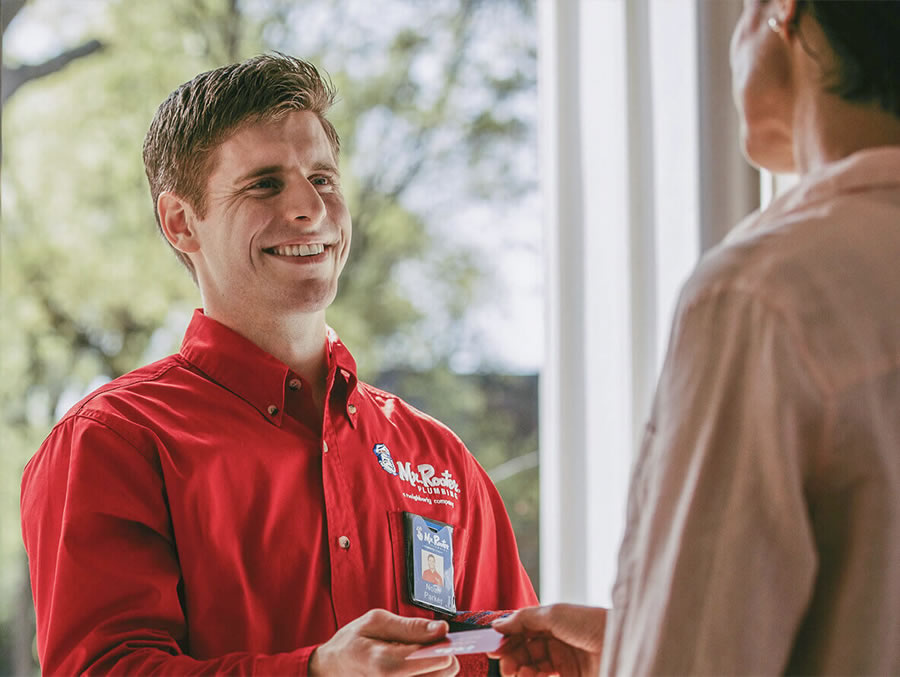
{"x": 428, "y": 117}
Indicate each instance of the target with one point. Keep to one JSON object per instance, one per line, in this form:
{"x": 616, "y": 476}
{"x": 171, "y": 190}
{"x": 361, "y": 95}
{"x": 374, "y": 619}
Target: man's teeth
{"x": 299, "y": 249}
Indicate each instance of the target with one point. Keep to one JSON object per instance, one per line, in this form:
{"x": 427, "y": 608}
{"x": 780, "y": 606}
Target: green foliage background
{"x": 436, "y": 107}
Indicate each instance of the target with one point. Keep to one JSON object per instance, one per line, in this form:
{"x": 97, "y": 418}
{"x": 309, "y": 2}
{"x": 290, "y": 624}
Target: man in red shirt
{"x": 211, "y": 512}
{"x": 431, "y": 575}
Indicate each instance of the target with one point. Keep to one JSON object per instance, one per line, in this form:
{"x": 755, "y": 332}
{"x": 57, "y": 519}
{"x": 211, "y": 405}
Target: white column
{"x": 613, "y": 276}
{"x": 562, "y": 468}
{"x": 642, "y": 198}
{"x": 586, "y": 394}
{"x": 619, "y": 181}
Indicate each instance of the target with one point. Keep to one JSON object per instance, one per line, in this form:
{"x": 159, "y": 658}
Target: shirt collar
{"x": 865, "y": 170}
{"x": 340, "y": 361}
{"x": 239, "y": 365}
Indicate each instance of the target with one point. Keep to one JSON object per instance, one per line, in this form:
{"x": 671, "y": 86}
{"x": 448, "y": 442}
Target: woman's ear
{"x": 176, "y": 219}
{"x": 787, "y": 12}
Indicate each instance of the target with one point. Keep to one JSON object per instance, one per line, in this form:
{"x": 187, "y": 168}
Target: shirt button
{"x": 344, "y": 542}
{"x": 351, "y": 408}
{"x": 294, "y": 384}
{"x": 325, "y": 447}
{"x": 273, "y": 410}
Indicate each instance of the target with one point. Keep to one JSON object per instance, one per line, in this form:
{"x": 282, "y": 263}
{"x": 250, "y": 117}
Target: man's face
{"x": 431, "y": 563}
{"x": 276, "y": 233}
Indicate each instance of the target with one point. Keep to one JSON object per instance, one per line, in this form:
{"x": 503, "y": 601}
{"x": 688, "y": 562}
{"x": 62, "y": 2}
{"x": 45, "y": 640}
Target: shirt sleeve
{"x": 104, "y": 568}
{"x": 718, "y": 561}
{"x": 494, "y": 578}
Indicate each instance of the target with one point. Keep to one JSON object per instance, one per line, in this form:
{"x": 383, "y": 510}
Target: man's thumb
{"x": 423, "y": 630}
{"x": 393, "y": 628}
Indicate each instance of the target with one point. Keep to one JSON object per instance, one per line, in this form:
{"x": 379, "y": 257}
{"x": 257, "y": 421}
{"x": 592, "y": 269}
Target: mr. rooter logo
{"x": 423, "y": 479}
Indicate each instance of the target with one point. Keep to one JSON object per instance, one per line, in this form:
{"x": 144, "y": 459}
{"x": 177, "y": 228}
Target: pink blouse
{"x": 763, "y": 528}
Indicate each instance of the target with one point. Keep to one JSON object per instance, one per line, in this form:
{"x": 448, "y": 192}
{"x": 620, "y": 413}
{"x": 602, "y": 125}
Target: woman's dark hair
{"x": 865, "y": 36}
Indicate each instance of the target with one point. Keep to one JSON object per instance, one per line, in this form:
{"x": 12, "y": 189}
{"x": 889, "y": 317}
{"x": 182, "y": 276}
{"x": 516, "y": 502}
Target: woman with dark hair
{"x": 763, "y": 528}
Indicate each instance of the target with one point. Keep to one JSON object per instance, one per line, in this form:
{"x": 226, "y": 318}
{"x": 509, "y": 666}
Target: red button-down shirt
{"x": 198, "y": 516}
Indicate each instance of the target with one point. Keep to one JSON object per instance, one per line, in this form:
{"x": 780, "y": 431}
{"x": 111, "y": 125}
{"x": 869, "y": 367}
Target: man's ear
{"x": 176, "y": 218}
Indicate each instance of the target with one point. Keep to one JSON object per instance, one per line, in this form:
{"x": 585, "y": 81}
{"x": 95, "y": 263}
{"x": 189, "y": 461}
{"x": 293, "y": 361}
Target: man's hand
{"x": 377, "y": 643}
{"x": 563, "y": 639}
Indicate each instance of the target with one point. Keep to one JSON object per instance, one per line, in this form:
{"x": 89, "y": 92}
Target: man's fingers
{"x": 387, "y": 627}
{"x": 450, "y": 669}
{"x": 390, "y": 658}
{"x": 378, "y": 642}
{"x": 438, "y": 666}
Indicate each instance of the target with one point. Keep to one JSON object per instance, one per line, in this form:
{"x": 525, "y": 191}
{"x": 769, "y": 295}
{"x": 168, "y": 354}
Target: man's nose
{"x": 303, "y": 202}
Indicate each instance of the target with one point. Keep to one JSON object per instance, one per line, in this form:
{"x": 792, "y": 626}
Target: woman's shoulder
{"x": 814, "y": 253}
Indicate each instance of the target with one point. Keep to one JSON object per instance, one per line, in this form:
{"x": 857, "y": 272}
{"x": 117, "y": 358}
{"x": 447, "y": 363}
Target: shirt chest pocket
{"x": 397, "y": 531}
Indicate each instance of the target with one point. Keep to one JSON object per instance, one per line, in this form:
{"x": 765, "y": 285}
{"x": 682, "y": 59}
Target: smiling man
{"x": 212, "y": 512}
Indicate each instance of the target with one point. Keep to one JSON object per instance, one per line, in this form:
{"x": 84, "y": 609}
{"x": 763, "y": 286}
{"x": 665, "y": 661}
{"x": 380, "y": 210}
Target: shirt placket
{"x": 348, "y": 591}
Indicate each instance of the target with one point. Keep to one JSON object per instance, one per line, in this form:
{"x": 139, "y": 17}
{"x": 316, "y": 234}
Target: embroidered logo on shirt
{"x": 383, "y": 454}
{"x": 430, "y": 487}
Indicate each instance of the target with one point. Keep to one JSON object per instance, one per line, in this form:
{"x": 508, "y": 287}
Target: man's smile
{"x": 297, "y": 249}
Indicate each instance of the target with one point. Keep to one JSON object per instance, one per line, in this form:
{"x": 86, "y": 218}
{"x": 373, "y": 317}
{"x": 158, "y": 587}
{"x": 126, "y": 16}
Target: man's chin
{"x": 307, "y": 299}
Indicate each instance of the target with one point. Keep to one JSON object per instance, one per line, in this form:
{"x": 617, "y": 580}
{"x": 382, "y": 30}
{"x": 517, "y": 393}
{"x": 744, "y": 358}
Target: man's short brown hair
{"x": 198, "y": 116}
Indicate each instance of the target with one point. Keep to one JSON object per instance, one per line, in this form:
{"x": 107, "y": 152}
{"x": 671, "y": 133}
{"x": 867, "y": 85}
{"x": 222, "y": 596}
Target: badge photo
{"x": 429, "y": 563}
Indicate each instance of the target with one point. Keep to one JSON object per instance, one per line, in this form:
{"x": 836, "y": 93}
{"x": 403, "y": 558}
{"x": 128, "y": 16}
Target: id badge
{"x": 429, "y": 563}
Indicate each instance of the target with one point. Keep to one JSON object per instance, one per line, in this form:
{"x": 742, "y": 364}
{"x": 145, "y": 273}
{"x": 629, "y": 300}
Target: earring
{"x": 774, "y": 24}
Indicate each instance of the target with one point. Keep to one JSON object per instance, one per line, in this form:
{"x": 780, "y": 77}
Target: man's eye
{"x": 321, "y": 181}
{"x": 264, "y": 184}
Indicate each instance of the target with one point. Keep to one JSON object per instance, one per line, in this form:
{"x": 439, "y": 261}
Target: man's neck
{"x": 297, "y": 339}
